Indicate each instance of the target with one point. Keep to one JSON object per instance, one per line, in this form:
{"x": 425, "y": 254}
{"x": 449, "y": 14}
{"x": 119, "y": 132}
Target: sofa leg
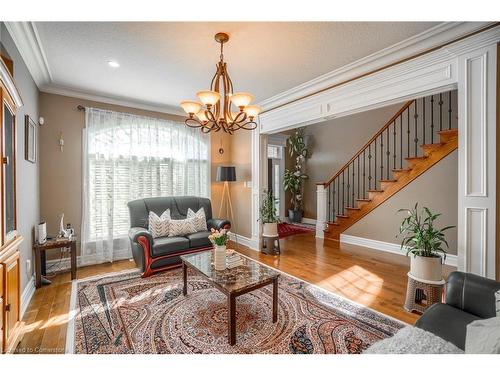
{"x": 147, "y": 256}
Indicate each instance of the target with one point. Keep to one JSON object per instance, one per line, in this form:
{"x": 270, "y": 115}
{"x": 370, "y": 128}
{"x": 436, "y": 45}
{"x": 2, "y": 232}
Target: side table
{"x": 53, "y": 244}
{"x": 271, "y": 245}
{"x": 419, "y": 290}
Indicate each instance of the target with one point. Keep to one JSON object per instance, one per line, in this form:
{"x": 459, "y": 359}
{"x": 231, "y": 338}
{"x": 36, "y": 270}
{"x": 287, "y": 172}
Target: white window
{"x": 128, "y": 157}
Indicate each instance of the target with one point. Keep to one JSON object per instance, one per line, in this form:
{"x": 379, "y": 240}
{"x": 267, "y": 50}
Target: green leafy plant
{"x": 268, "y": 209}
{"x": 294, "y": 179}
{"x": 292, "y": 182}
{"x": 421, "y": 238}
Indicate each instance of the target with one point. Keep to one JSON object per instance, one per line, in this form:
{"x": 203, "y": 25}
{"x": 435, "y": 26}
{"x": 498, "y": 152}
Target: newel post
{"x": 321, "y": 202}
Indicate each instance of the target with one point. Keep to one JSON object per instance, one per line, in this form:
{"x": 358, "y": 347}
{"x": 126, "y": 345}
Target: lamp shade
{"x": 226, "y": 174}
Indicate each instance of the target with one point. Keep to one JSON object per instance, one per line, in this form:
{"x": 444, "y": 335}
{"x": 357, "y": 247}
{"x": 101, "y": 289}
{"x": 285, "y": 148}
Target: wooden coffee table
{"x": 232, "y": 282}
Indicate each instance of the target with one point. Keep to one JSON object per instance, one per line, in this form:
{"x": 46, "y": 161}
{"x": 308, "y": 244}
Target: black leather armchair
{"x": 468, "y": 297}
{"x": 157, "y": 254}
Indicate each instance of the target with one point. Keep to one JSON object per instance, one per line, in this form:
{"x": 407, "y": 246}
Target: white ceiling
{"x": 163, "y": 63}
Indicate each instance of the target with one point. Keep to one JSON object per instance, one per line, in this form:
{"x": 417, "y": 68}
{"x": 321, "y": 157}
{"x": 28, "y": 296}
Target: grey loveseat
{"x": 468, "y": 297}
{"x": 157, "y": 254}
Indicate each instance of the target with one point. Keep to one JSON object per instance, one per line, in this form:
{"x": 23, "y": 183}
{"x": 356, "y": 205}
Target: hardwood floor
{"x": 371, "y": 278}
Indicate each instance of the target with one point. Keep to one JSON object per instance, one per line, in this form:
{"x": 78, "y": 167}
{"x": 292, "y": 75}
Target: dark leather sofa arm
{"x": 218, "y": 224}
{"x": 472, "y": 293}
{"x": 135, "y": 232}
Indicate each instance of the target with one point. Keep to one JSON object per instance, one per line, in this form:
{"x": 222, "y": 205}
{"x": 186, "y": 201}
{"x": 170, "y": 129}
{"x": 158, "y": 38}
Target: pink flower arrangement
{"x": 219, "y": 237}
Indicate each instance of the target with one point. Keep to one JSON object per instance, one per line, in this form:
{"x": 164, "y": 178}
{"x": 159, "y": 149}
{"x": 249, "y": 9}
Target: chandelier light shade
{"x": 220, "y": 108}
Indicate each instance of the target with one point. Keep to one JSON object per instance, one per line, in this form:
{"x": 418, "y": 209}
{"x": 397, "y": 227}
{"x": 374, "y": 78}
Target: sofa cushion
{"x": 167, "y": 245}
{"x": 200, "y": 220}
{"x": 181, "y": 227}
{"x": 446, "y": 322}
{"x": 199, "y": 239}
{"x": 158, "y": 225}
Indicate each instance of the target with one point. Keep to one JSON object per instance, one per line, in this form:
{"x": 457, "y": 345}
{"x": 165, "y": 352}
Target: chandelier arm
{"x": 250, "y": 125}
{"x": 240, "y": 117}
{"x": 193, "y": 122}
{"x": 217, "y": 89}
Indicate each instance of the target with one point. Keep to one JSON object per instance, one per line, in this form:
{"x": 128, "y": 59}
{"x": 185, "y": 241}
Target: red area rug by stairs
{"x": 286, "y": 229}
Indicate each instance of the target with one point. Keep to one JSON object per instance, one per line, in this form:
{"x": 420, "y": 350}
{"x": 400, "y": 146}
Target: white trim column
{"x": 477, "y": 161}
{"x": 321, "y": 205}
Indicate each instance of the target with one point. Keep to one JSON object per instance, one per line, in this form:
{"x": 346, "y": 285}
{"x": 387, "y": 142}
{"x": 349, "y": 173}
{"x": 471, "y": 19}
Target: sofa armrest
{"x": 472, "y": 293}
{"x": 135, "y": 232}
{"x": 218, "y": 224}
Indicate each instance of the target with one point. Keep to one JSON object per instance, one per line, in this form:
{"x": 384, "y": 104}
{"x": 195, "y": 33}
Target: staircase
{"x": 418, "y": 136}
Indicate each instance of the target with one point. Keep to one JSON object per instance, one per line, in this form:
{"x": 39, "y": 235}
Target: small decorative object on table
{"x": 233, "y": 259}
{"x": 219, "y": 239}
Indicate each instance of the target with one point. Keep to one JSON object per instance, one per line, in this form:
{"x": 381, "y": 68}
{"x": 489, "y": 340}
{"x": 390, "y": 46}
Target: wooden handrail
{"x": 372, "y": 139}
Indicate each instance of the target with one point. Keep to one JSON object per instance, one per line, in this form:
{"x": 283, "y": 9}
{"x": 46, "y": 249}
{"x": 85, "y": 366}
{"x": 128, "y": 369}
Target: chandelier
{"x": 214, "y": 110}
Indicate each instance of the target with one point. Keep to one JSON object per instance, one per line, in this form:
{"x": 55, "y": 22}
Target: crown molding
{"x": 425, "y": 41}
{"x": 101, "y": 98}
{"x": 8, "y": 81}
{"x": 28, "y": 43}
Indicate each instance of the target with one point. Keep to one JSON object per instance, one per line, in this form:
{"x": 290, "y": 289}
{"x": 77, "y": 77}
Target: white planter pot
{"x": 220, "y": 257}
{"x": 270, "y": 230}
{"x": 426, "y": 268}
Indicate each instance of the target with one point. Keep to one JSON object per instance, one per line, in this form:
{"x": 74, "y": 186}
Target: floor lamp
{"x": 226, "y": 175}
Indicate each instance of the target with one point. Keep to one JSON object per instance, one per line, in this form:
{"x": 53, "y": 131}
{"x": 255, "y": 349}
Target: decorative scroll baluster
{"x": 449, "y": 110}
{"x": 432, "y": 118}
{"x": 364, "y": 174}
{"x": 358, "y": 176}
{"x": 348, "y": 184}
{"x": 375, "y": 177}
{"x": 352, "y": 198}
{"x": 369, "y": 166}
{"x": 388, "y": 153}
{"x": 401, "y": 141}
{"x": 423, "y": 120}
{"x": 394, "y": 145}
{"x": 343, "y": 192}
{"x": 440, "y": 112}
{"x": 415, "y": 140}
{"x": 382, "y": 156}
{"x": 408, "y": 131}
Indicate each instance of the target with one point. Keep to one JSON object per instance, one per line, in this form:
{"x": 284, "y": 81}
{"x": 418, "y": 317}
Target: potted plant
{"x": 219, "y": 239}
{"x": 294, "y": 179}
{"x": 268, "y": 216}
{"x": 424, "y": 242}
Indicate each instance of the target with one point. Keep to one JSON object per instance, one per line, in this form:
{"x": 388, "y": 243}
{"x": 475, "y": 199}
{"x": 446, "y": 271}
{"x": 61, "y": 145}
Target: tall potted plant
{"x": 294, "y": 179}
{"x": 424, "y": 242}
{"x": 268, "y": 216}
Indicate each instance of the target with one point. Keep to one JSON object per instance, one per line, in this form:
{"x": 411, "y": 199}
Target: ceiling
{"x": 162, "y": 63}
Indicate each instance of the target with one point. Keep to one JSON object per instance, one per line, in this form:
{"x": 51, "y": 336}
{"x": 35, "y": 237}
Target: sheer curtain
{"x": 127, "y": 157}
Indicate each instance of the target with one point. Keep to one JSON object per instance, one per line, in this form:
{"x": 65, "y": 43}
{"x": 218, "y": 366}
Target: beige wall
{"x": 437, "y": 189}
{"x": 333, "y": 143}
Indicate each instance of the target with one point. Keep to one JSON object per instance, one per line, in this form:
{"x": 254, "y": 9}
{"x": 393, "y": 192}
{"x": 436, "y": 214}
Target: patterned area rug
{"x": 287, "y": 229}
{"x": 124, "y": 313}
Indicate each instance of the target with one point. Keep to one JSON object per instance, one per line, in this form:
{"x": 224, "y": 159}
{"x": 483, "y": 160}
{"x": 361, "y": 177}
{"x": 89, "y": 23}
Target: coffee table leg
{"x": 184, "y": 277}
{"x": 231, "y": 299}
{"x": 275, "y": 300}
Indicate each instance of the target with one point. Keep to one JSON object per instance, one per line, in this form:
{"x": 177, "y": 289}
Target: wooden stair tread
{"x": 352, "y": 208}
{"x": 343, "y": 216}
{"x": 388, "y": 180}
{"x": 448, "y": 131}
{"x": 402, "y": 170}
{"x": 375, "y": 191}
{"x": 364, "y": 200}
{"x": 416, "y": 158}
{"x": 332, "y": 223}
{"x": 432, "y": 145}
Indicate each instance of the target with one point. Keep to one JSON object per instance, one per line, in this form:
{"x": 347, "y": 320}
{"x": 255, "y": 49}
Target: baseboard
{"x": 307, "y": 220}
{"x": 27, "y": 295}
{"x": 388, "y": 247}
{"x": 245, "y": 241}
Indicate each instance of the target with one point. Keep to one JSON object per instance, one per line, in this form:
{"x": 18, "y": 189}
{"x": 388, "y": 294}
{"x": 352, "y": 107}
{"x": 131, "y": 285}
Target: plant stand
{"x": 271, "y": 245}
{"x": 419, "y": 290}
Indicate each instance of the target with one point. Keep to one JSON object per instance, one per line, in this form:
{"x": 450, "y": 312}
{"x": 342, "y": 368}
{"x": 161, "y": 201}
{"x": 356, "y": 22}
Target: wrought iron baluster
{"x": 352, "y": 198}
{"x": 388, "y": 153}
{"x": 440, "y": 111}
{"x": 369, "y": 166}
{"x": 408, "y": 130}
{"x": 423, "y": 120}
{"x": 329, "y": 204}
{"x": 364, "y": 173}
{"x": 358, "y": 176}
{"x": 449, "y": 110}
{"x": 432, "y": 118}
{"x": 375, "y": 178}
{"x": 382, "y": 155}
{"x": 401, "y": 141}
{"x": 338, "y": 196}
{"x": 415, "y": 140}
{"x": 343, "y": 191}
{"x": 394, "y": 145}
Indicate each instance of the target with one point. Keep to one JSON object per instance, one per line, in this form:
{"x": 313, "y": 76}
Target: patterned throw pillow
{"x": 200, "y": 220}
{"x": 158, "y": 225}
{"x": 181, "y": 227}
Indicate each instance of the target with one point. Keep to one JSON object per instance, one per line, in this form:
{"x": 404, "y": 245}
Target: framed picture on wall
{"x": 29, "y": 139}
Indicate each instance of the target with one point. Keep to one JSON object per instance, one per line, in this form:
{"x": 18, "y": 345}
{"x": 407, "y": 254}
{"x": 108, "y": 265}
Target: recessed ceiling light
{"x": 113, "y": 64}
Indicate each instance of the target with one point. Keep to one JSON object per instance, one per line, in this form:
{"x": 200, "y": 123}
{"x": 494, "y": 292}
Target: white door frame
{"x": 468, "y": 65}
